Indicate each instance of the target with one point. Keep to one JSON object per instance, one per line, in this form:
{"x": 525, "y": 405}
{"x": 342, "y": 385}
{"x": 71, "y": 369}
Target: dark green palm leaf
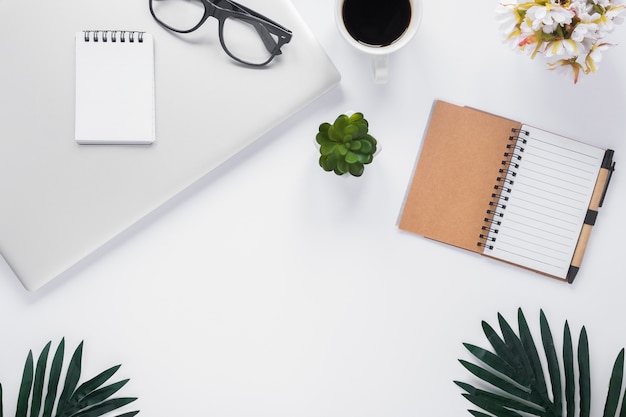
{"x": 584, "y": 378}
{"x": 55, "y": 376}
{"x": 615, "y": 386}
{"x": 93, "y": 384}
{"x": 568, "y": 364}
{"x": 90, "y": 399}
{"x": 517, "y": 383}
{"x": 104, "y": 407}
{"x": 71, "y": 379}
{"x": 25, "y": 387}
{"x": 553, "y": 364}
{"x": 93, "y": 398}
{"x": 40, "y": 373}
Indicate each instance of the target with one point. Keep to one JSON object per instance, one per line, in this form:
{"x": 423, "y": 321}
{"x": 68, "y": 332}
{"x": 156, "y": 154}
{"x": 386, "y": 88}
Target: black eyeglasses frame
{"x": 238, "y": 11}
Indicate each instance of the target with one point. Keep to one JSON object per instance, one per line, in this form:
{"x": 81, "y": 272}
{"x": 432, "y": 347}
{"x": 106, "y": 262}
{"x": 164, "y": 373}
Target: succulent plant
{"x": 345, "y": 146}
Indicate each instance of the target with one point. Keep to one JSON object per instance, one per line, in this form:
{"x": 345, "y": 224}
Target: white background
{"x": 273, "y": 288}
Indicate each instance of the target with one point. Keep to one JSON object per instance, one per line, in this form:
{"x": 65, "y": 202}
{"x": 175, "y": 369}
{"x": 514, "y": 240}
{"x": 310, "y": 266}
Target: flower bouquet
{"x": 568, "y": 33}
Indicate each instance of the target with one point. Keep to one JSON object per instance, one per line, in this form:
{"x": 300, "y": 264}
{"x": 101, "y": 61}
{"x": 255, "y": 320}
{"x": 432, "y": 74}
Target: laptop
{"x": 62, "y": 201}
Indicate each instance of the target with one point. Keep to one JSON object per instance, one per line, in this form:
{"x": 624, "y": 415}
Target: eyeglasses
{"x": 246, "y": 36}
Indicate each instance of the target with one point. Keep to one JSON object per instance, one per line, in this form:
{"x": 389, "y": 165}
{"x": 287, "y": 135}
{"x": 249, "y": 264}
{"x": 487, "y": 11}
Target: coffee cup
{"x": 378, "y": 28}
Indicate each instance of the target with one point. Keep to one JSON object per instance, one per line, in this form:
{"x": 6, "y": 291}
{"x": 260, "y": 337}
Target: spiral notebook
{"x": 525, "y": 196}
{"x": 114, "y": 87}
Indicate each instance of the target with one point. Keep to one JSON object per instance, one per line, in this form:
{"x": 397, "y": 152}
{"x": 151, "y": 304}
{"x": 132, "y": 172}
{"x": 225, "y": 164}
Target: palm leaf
{"x": 553, "y": 364}
{"x": 71, "y": 379}
{"x": 90, "y": 399}
{"x": 615, "y": 385}
{"x": 516, "y": 383}
{"x": 25, "y": 387}
{"x": 584, "y": 378}
{"x": 40, "y": 373}
{"x": 55, "y": 376}
{"x": 568, "y": 364}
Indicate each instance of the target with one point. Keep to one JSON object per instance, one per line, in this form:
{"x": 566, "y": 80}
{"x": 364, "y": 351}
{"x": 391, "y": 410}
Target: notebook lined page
{"x": 546, "y": 206}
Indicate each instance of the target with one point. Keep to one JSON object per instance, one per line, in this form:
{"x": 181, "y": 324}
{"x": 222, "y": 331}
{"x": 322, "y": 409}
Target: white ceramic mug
{"x": 380, "y": 53}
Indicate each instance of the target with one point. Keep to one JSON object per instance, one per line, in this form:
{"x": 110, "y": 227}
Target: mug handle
{"x": 381, "y": 70}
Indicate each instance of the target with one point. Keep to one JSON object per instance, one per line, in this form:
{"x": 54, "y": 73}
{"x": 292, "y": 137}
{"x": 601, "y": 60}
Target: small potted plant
{"x": 346, "y": 146}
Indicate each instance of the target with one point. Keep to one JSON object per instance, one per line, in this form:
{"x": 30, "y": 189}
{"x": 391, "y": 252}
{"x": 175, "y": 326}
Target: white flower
{"x": 563, "y": 48}
{"x": 584, "y": 30}
{"x": 509, "y": 19}
{"x": 570, "y": 31}
{"x": 549, "y": 16}
{"x": 592, "y": 61}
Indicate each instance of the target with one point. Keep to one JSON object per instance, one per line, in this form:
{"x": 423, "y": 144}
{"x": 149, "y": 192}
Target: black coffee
{"x": 376, "y": 22}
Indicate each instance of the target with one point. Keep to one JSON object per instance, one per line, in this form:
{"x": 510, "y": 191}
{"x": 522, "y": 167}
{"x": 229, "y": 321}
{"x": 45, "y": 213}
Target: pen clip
{"x": 608, "y": 180}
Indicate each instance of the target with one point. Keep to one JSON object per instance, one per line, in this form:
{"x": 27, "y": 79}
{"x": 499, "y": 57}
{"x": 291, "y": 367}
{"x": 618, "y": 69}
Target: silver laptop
{"x": 61, "y": 201}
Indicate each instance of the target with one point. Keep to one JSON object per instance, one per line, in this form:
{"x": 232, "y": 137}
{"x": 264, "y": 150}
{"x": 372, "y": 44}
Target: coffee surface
{"x": 376, "y": 22}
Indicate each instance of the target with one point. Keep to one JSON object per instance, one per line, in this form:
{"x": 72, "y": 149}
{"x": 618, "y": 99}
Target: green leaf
{"x": 351, "y": 130}
{"x": 356, "y": 145}
{"x": 327, "y": 148}
{"x": 71, "y": 379}
{"x": 568, "y": 364}
{"x": 504, "y": 352}
{"x": 490, "y": 407}
{"x": 351, "y": 157}
{"x": 1, "y": 406}
{"x": 342, "y": 167}
{"x": 357, "y": 169}
{"x": 584, "y": 374}
{"x": 496, "y": 381}
{"x": 40, "y": 373}
{"x": 553, "y": 364}
{"x": 490, "y": 359}
{"x": 366, "y": 146}
{"x": 538, "y": 380}
{"x": 519, "y": 360}
{"x": 615, "y": 386}
{"x": 53, "y": 381}
{"x": 365, "y": 159}
{"x": 341, "y": 121}
{"x": 25, "y": 386}
{"x": 334, "y": 134}
{"x": 104, "y": 407}
{"x": 129, "y": 414}
{"x": 324, "y": 127}
{"x": 622, "y": 411}
{"x": 356, "y": 117}
{"x": 321, "y": 138}
{"x": 94, "y": 398}
{"x": 497, "y": 401}
{"x": 94, "y": 383}
{"x": 479, "y": 414}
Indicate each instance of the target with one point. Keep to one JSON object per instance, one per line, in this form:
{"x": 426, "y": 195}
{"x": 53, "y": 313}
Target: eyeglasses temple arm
{"x": 255, "y": 14}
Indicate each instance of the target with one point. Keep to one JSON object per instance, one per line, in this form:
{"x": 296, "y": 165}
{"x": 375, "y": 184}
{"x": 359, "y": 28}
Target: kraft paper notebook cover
{"x": 506, "y": 190}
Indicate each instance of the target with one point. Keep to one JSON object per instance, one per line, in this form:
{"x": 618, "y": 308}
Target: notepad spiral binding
{"x": 503, "y": 187}
{"x": 113, "y": 36}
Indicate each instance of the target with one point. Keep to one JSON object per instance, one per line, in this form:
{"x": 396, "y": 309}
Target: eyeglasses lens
{"x": 180, "y": 15}
{"x": 248, "y": 40}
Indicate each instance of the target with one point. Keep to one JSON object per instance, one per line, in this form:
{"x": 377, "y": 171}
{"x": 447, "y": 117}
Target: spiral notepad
{"x": 506, "y": 190}
{"x": 114, "y": 87}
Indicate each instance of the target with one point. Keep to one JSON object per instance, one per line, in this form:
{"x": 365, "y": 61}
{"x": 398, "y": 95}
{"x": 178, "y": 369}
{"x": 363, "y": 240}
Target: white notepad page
{"x": 114, "y": 87}
{"x": 546, "y": 208}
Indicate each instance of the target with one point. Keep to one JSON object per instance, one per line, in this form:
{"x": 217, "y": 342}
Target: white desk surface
{"x": 272, "y": 288}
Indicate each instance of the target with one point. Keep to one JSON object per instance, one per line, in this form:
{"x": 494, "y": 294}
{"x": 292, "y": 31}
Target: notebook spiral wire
{"x": 113, "y": 36}
{"x": 502, "y": 188}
